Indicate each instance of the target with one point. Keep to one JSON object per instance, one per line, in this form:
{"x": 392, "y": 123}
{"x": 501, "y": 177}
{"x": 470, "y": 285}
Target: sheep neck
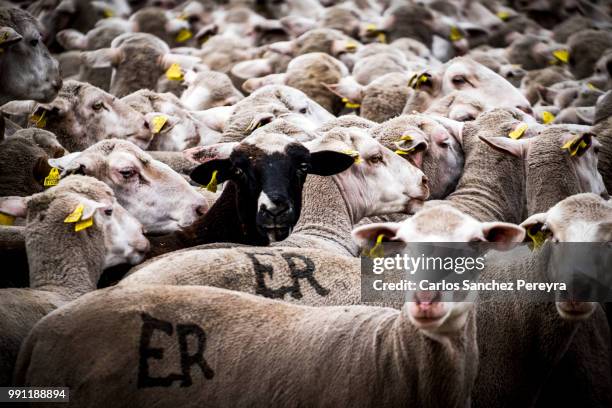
{"x": 492, "y": 187}
{"x": 326, "y": 213}
{"x": 63, "y": 261}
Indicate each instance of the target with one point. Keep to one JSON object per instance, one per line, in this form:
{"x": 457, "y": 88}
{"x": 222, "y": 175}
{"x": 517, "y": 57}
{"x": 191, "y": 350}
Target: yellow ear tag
{"x": 183, "y": 35}
{"x": 503, "y": 15}
{"x": 6, "y": 219}
{"x": 75, "y": 215}
{"x": 403, "y": 152}
{"x": 561, "y": 55}
{"x": 174, "y": 73}
{"x": 537, "y": 239}
{"x": 182, "y": 17}
{"x": 518, "y": 132}
{"x": 212, "y": 184}
{"x": 40, "y": 121}
{"x": 108, "y": 13}
{"x": 81, "y": 225}
{"x": 371, "y": 28}
{"x": 592, "y": 87}
{"x": 351, "y": 46}
{"x": 158, "y": 123}
{"x": 455, "y": 34}
{"x": 53, "y": 178}
{"x": 350, "y": 105}
{"x": 547, "y": 117}
{"x": 354, "y": 154}
{"x": 573, "y": 146}
{"x": 4, "y": 37}
{"x": 406, "y": 138}
{"x": 382, "y": 38}
{"x": 377, "y": 250}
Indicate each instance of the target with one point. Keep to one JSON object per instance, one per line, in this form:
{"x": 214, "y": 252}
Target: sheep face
{"x": 82, "y": 114}
{"x": 429, "y": 310}
{"x": 381, "y": 181}
{"x": 579, "y": 218}
{"x": 28, "y": 70}
{"x": 145, "y": 187}
{"x": 269, "y": 171}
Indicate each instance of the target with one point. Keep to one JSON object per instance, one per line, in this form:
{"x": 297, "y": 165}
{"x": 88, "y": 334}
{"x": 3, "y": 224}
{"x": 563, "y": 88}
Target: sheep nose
{"x": 605, "y": 195}
{"x": 424, "y": 180}
{"x": 142, "y": 246}
{"x": 279, "y": 207}
{"x": 57, "y": 84}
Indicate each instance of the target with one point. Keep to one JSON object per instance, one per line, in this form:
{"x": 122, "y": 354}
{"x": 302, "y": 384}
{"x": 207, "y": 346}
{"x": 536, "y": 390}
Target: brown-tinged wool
{"x": 250, "y": 352}
{"x": 23, "y": 167}
{"x": 221, "y": 53}
{"x": 385, "y": 97}
{"x": 572, "y": 25}
{"x": 311, "y": 76}
{"x": 346, "y": 121}
{"x": 318, "y": 40}
{"x": 603, "y": 130}
{"x": 63, "y": 265}
{"x": 520, "y": 51}
{"x": 153, "y": 20}
{"x": 43, "y": 139}
{"x": 585, "y": 48}
{"x": 603, "y": 109}
{"x": 412, "y": 21}
{"x": 542, "y": 77}
{"x": 369, "y": 68}
{"x": 176, "y": 161}
{"x": 219, "y": 85}
{"x": 498, "y": 37}
{"x": 343, "y": 19}
{"x": 141, "y": 68}
{"x": 492, "y": 187}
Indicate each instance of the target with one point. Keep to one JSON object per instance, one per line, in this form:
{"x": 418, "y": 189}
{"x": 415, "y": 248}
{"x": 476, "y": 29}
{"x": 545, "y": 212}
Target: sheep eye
{"x": 238, "y": 172}
{"x": 97, "y": 106}
{"x": 34, "y": 42}
{"x": 459, "y": 80}
{"x": 128, "y": 173}
{"x": 376, "y": 159}
{"x": 108, "y": 211}
{"x": 303, "y": 110}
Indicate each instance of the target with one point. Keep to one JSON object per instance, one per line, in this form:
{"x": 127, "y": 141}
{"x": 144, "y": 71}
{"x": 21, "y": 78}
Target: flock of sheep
{"x": 186, "y": 188}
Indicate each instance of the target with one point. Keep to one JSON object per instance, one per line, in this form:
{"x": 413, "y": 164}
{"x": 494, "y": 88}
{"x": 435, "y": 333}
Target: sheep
{"x": 546, "y": 335}
{"x": 603, "y": 124}
{"x": 82, "y": 115}
{"x": 96, "y": 38}
{"x": 271, "y": 102}
{"x": 307, "y": 276}
{"x": 23, "y": 167}
{"x": 468, "y": 77}
{"x": 28, "y": 70}
{"x": 559, "y": 163}
{"x": 585, "y": 47}
{"x": 139, "y": 183}
{"x": 534, "y": 80}
{"x": 532, "y": 51}
{"x": 209, "y": 89}
{"x": 309, "y": 73}
{"x": 427, "y": 144}
{"x": 262, "y": 199}
{"x": 65, "y": 262}
{"x": 138, "y": 60}
{"x": 221, "y": 53}
{"x": 174, "y": 127}
{"x": 394, "y": 346}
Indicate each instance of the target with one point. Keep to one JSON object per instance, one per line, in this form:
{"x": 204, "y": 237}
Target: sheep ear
{"x": 507, "y": 145}
{"x": 72, "y": 39}
{"x": 19, "y": 107}
{"x": 14, "y": 206}
{"x": 66, "y": 164}
{"x": 90, "y": 207}
{"x": 577, "y": 146}
{"x": 297, "y": 26}
{"x": 586, "y": 114}
{"x": 366, "y": 235}
{"x": 212, "y": 172}
{"x": 455, "y": 128}
{"x": 253, "y": 84}
{"x": 214, "y": 118}
{"x": 503, "y": 233}
{"x": 534, "y": 223}
{"x": 412, "y": 147}
{"x": 160, "y": 122}
{"x": 347, "y": 88}
{"x": 203, "y": 154}
{"x": 66, "y": 7}
{"x": 45, "y": 112}
{"x": 283, "y": 47}
{"x": 8, "y": 37}
{"x": 252, "y": 69}
{"x": 184, "y": 61}
{"x": 103, "y": 58}
{"x": 328, "y": 162}
{"x": 41, "y": 169}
